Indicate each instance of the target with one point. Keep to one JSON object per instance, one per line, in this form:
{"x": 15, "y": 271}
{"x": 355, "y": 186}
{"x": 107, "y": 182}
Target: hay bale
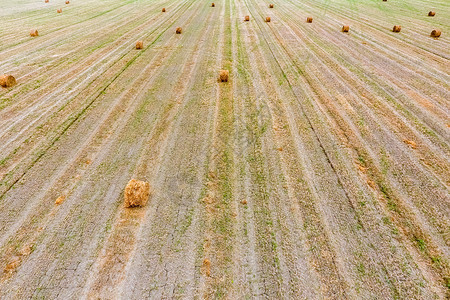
{"x": 164, "y": 9}
{"x": 223, "y": 75}
{"x": 7, "y": 81}
{"x": 136, "y": 193}
{"x": 397, "y": 28}
{"x": 270, "y": 5}
{"x": 59, "y": 10}
{"x": 431, "y": 14}
{"x": 213, "y": 5}
{"x": 345, "y": 28}
{"x": 436, "y": 33}
{"x": 178, "y": 31}
{"x": 384, "y": 0}
{"x": 267, "y": 19}
{"x": 67, "y": 2}
{"x": 309, "y": 20}
{"x": 139, "y": 45}
{"x": 34, "y": 32}
{"x": 207, "y": 267}
{"x": 60, "y": 200}
{"x": 247, "y": 18}
{"x": 46, "y": 1}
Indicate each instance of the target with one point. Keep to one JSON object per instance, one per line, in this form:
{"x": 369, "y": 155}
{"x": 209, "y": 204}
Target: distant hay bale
{"x": 59, "y": 10}
{"x": 309, "y": 20}
{"x": 46, "y": 1}
{"x": 247, "y": 18}
{"x": 67, "y": 2}
{"x": 267, "y": 19}
{"x": 223, "y": 75}
{"x": 431, "y": 14}
{"x": 60, "y": 200}
{"x": 164, "y": 9}
{"x": 136, "y": 193}
{"x": 34, "y": 32}
{"x": 384, "y": 0}
{"x": 213, "y": 5}
{"x": 207, "y": 267}
{"x": 345, "y": 28}
{"x": 178, "y": 31}
{"x": 397, "y": 28}
{"x": 435, "y": 33}
{"x": 270, "y": 5}
{"x": 7, "y": 81}
{"x": 139, "y": 45}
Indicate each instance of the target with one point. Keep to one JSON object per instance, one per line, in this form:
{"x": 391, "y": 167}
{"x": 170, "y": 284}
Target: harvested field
{"x": 319, "y": 170}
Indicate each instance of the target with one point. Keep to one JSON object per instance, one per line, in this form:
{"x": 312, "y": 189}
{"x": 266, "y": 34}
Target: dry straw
{"x": 247, "y": 18}
{"x": 59, "y": 10}
{"x": 136, "y": 193}
{"x": 139, "y": 45}
{"x": 46, "y": 1}
{"x": 431, "y": 14}
{"x": 397, "y": 28}
{"x": 267, "y": 19}
{"x": 67, "y": 2}
{"x": 436, "y": 33}
{"x": 212, "y": 4}
{"x": 34, "y": 32}
{"x": 7, "y": 81}
{"x": 178, "y": 31}
{"x": 270, "y": 5}
{"x": 345, "y": 28}
{"x": 223, "y": 75}
{"x": 309, "y": 20}
{"x": 164, "y": 9}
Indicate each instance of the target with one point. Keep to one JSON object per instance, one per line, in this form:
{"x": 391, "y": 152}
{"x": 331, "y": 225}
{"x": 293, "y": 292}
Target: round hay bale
{"x": 67, "y": 2}
{"x": 213, "y": 5}
{"x": 397, "y": 28}
{"x": 164, "y": 9}
{"x": 178, "y": 31}
{"x": 345, "y": 28}
{"x": 139, "y": 45}
{"x": 384, "y": 0}
{"x": 270, "y": 5}
{"x": 309, "y": 20}
{"x": 46, "y": 1}
{"x": 436, "y": 33}
{"x": 34, "y": 32}
{"x": 267, "y": 19}
{"x": 247, "y": 18}
{"x": 223, "y": 75}
{"x": 7, "y": 81}
{"x": 431, "y": 13}
{"x": 59, "y": 10}
{"x": 136, "y": 193}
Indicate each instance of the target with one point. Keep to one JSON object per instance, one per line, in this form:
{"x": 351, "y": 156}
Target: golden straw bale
{"x": 436, "y": 33}
{"x": 309, "y": 20}
{"x": 212, "y": 4}
{"x": 267, "y": 19}
{"x": 431, "y": 14}
{"x": 34, "y": 32}
{"x": 223, "y": 75}
{"x": 345, "y": 28}
{"x": 136, "y": 193}
{"x": 397, "y": 28}
{"x": 7, "y": 81}
{"x": 139, "y": 44}
{"x": 178, "y": 31}
{"x": 59, "y": 10}
{"x": 164, "y": 9}
{"x": 270, "y": 5}
{"x": 247, "y": 18}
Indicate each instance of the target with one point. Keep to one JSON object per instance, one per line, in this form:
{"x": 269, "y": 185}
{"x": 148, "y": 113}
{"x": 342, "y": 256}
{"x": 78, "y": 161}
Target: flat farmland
{"x": 319, "y": 170}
